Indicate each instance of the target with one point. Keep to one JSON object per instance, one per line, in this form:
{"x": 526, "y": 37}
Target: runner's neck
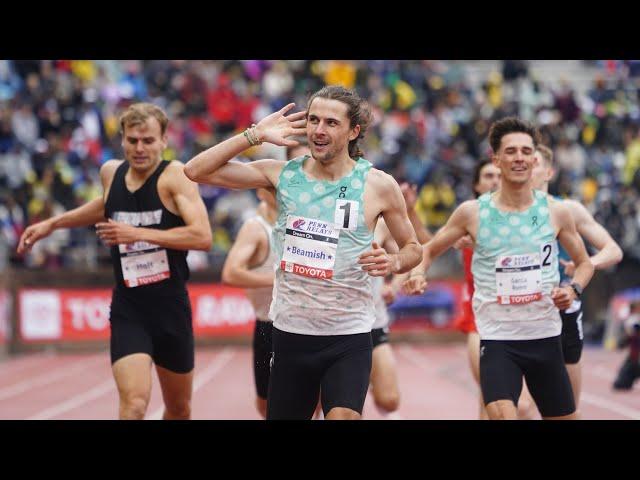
{"x": 137, "y": 178}
{"x": 517, "y": 198}
{"x": 331, "y": 171}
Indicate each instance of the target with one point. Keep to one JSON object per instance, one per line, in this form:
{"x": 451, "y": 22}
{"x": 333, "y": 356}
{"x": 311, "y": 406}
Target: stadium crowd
{"x": 59, "y": 123}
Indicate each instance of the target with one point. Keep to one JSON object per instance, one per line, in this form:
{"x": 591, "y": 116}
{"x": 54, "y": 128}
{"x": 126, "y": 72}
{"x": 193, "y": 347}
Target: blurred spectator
{"x": 632, "y": 156}
{"x": 629, "y": 371}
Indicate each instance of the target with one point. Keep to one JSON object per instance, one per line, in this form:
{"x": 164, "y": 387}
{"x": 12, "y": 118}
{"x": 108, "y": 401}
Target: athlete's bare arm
{"x": 377, "y": 262}
{"x": 214, "y": 165}
{"x": 195, "y": 235}
{"x": 609, "y": 252}
{"x": 463, "y": 221}
{"x": 383, "y": 237}
{"x": 410, "y": 194}
{"x": 84, "y": 216}
{"x": 573, "y": 244}
{"x": 392, "y": 285}
{"x": 251, "y": 238}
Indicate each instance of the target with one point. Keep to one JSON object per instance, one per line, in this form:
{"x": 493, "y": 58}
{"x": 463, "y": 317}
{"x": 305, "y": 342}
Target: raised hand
{"x": 275, "y": 128}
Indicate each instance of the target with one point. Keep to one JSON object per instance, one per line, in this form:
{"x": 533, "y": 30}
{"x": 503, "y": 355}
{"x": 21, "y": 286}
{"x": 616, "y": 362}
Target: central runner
{"x": 328, "y": 207}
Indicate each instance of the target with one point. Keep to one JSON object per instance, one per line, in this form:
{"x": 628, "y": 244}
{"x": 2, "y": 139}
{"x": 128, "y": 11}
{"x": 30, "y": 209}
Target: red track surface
{"x": 435, "y": 384}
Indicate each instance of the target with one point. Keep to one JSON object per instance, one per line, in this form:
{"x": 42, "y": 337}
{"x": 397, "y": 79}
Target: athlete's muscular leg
{"x": 341, "y": 413}
{"x": 133, "y": 379}
{"x": 502, "y": 410}
{"x": 575, "y": 376}
{"x": 176, "y": 393}
{"x": 527, "y": 409}
{"x": 384, "y": 380}
{"x": 261, "y": 406}
{"x": 473, "y": 350}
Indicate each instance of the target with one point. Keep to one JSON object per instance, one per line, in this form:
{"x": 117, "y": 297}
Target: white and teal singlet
{"x": 320, "y": 289}
{"x": 515, "y": 267}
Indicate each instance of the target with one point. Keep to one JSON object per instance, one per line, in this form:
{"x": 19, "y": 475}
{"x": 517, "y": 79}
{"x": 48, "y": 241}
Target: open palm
{"x": 277, "y": 127}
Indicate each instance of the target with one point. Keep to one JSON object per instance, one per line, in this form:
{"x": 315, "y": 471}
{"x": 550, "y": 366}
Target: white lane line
{"x": 610, "y": 405}
{"x": 76, "y": 401}
{"x": 203, "y": 377}
{"x": 45, "y": 379}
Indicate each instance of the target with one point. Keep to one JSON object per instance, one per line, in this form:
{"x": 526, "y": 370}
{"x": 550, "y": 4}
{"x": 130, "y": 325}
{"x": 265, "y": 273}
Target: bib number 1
{"x": 346, "y": 214}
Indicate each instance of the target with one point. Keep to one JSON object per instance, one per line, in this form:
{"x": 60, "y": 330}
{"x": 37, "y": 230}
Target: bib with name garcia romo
{"x": 515, "y": 267}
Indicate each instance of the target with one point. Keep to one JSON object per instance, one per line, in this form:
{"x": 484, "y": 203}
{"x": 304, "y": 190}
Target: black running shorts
{"x": 305, "y": 365}
{"x": 503, "y": 363}
{"x": 160, "y": 327}
{"x": 379, "y": 336}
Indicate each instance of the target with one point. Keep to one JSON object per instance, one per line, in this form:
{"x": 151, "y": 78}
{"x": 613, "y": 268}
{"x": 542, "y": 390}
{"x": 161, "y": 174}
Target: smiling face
{"x": 515, "y": 158}
{"x": 328, "y": 130}
{"x": 143, "y": 144}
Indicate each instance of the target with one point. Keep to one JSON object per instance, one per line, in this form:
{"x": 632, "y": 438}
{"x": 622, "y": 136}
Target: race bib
{"x": 310, "y": 247}
{"x": 518, "y": 279}
{"x": 143, "y": 263}
{"x": 346, "y": 214}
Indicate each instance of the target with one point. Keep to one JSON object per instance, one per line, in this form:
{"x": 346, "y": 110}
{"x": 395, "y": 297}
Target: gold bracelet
{"x": 246, "y": 135}
{"x": 252, "y": 132}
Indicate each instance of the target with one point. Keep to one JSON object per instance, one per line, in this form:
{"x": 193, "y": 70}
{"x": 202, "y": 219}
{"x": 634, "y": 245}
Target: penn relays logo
{"x": 298, "y": 223}
{"x": 506, "y": 261}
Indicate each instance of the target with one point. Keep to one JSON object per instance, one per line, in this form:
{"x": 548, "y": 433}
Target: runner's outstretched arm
{"x": 213, "y": 166}
{"x": 456, "y": 227}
